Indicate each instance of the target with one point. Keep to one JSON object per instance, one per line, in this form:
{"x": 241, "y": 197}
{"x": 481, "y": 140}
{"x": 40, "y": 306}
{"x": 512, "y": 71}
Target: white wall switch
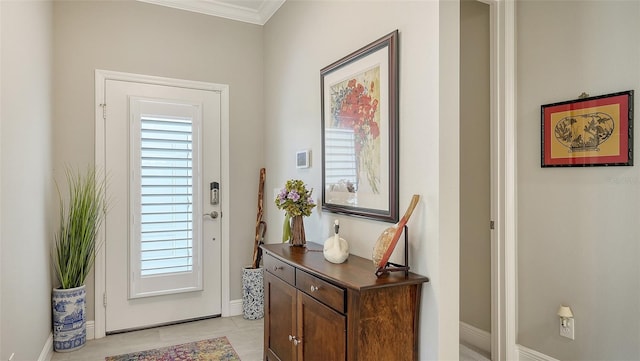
{"x": 568, "y": 331}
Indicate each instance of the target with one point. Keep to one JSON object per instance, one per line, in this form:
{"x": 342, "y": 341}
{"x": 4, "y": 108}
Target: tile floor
{"x": 246, "y": 337}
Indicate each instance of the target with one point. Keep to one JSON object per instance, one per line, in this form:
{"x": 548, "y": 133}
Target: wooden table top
{"x": 356, "y": 272}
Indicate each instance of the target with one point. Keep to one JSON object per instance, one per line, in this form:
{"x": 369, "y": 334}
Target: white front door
{"x": 162, "y": 246}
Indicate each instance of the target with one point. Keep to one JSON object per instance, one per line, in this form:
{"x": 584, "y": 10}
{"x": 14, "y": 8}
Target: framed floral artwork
{"x": 589, "y": 131}
{"x": 359, "y": 97}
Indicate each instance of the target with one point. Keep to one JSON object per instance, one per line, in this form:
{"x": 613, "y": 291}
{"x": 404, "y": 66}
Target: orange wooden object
{"x": 389, "y": 238}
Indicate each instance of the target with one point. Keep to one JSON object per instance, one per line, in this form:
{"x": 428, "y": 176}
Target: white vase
{"x": 69, "y": 319}
{"x": 336, "y": 248}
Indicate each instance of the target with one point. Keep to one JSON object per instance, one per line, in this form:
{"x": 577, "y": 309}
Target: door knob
{"x": 212, "y": 214}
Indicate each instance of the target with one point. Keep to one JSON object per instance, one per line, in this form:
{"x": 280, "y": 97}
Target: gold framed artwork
{"x": 591, "y": 131}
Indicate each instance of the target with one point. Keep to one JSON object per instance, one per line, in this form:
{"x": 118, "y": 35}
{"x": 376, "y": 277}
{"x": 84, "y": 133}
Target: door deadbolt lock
{"x": 214, "y": 193}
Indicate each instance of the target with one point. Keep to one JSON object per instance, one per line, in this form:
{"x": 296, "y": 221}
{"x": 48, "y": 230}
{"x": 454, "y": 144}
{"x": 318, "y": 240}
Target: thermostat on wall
{"x": 302, "y": 158}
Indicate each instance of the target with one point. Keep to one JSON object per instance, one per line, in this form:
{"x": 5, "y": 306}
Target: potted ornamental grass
{"x": 74, "y": 253}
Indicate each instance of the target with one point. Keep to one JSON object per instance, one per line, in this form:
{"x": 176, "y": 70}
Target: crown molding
{"x": 225, "y": 9}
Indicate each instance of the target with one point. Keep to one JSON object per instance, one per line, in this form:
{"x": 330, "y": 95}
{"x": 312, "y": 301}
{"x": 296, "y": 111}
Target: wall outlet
{"x": 568, "y": 331}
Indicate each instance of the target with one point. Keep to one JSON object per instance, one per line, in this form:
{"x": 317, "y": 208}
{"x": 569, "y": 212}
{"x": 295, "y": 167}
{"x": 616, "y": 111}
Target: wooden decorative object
{"x": 298, "y": 237}
{"x": 389, "y": 238}
{"x": 261, "y": 226}
{"x": 395, "y": 267}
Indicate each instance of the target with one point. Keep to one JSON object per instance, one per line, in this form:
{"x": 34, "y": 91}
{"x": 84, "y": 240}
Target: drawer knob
{"x": 295, "y": 340}
{"x": 314, "y": 288}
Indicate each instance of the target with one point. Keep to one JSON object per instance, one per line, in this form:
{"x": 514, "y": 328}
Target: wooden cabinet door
{"x": 280, "y": 318}
{"x": 323, "y": 331}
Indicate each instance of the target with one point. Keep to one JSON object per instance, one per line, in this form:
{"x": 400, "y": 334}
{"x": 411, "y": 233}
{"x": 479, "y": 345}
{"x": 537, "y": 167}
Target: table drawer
{"x": 282, "y": 270}
{"x": 321, "y": 290}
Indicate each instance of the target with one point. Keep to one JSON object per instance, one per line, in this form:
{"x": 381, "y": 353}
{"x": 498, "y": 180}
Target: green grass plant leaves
{"x": 81, "y": 217}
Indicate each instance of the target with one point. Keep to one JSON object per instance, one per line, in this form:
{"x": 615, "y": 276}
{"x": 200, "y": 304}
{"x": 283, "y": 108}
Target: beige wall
{"x": 302, "y": 38}
{"x": 577, "y": 239}
{"x": 305, "y": 36}
{"x": 578, "y": 234}
{"x": 27, "y": 188}
{"x": 475, "y": 166}
{"x": 135, "y": 37}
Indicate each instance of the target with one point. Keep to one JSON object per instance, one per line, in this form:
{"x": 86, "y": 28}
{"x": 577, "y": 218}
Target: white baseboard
{"x": 482, "y": 340}
{"x": 235, "y": 307}
{"x": 475, "y": 337}
{"x": 91, "y": 330}
{"x": 527, "y": 354}
{"x": 47, "y": 350}
{"x": 467, "y": 354}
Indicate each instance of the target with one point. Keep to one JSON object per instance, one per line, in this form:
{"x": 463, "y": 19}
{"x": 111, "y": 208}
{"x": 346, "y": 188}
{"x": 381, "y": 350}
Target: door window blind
{"x": 165, "y": 238}
{"x": 166, "y": 173}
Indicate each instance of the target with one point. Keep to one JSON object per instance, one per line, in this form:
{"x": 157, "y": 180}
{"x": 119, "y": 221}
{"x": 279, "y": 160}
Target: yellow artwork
{"x": 588, "y": 131}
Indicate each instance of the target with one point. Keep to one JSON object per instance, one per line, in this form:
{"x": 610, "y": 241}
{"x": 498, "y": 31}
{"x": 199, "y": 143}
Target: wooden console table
{"x": 317, "y": 310}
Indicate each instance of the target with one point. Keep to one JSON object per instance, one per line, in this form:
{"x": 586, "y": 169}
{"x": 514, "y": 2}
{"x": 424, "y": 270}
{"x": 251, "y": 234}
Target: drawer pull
{"x": 275, "y": 268}
{"x": 295, "y": 340}
{"x": 314, "y": 288}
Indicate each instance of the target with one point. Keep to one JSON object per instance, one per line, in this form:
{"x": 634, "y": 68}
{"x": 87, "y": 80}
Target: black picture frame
{"x": 588, "y": 131}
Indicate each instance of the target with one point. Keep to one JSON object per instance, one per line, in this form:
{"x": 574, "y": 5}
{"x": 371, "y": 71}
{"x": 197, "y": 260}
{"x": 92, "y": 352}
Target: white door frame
{"x": 503, "y": 179}
{"x": 101, "y": 76}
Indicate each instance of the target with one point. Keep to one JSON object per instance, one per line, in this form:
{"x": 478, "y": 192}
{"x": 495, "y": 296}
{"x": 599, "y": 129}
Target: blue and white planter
{"x": 69, "y": 318}
{"x": 253, "y": 293}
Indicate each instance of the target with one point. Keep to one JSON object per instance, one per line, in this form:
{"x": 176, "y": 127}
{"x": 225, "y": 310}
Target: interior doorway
{"x": 476, "y": 176}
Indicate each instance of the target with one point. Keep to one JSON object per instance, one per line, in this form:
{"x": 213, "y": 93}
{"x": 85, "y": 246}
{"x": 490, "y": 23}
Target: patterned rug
{"x": 216, "y": 349}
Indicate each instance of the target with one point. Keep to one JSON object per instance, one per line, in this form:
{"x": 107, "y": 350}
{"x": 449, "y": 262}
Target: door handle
{"x": 212, "y": 214}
